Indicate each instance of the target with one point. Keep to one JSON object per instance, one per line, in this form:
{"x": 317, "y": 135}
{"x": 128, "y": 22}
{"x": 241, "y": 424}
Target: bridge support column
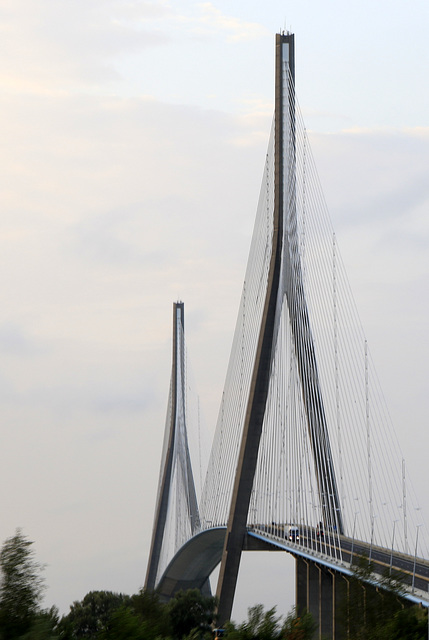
{"x": 308, "y": 589}
{"x": 321, "y": 592}
{"x": 314, "y": 593}
{"x": 326, "y": 603}
{"x": 301, "y": 586}
{"x": 341, "y": 590}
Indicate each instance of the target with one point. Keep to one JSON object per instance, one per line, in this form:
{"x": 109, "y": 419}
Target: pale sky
{"x": 133, "y": 139}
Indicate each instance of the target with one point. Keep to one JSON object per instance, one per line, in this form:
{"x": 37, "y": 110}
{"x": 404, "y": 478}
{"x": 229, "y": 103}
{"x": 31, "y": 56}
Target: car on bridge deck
{"x": 293, "y": 534}
{"x": 320, "y": 532}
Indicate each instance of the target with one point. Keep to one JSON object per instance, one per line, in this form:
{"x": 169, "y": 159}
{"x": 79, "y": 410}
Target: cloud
{"x": 14, "y": 340}
{"x": 55, "y": 47}
{"x": 212, "y": 20}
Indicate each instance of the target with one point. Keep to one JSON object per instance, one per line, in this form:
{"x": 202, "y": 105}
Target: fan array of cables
{"x": 328, "y": 458}
{"x": 328, "y": 454}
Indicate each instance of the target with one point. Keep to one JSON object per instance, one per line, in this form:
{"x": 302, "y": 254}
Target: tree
{"x": 298, "y": 627}
{"x": 407, "y": 624}
{"x": 89, "y": 617}
{"x": 143, "y": 617}
{"x": 125, "y": 624}
{"x": 380, "y": 612}
{"x": 260, "y": 624}
{"x": 153, "y": 613}
{"x": 21, "y": 586}
{"x": 190, "y": 610}
{"x": 265, "y": 625}
{"x": 44, "y": 626}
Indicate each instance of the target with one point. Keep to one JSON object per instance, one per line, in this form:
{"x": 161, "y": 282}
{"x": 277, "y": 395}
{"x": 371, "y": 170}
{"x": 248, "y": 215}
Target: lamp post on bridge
{"x": 393, "y": 542}
{"x": 372, "y": 536}
{"x": 353, "y": 538}
{"x": 415, "y": 557}
{"x": 314, "y": 528}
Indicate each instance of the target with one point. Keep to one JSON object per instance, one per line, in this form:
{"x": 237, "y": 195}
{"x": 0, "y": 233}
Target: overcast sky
{"x": 133, "y": 139}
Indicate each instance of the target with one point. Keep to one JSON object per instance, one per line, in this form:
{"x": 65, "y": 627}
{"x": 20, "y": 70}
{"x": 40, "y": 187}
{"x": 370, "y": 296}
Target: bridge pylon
{"x": 176, "y": 461}
{"x": 284, "y": 283}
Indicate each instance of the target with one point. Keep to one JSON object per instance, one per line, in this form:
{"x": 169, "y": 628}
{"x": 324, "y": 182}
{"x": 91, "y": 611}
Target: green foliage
{"x": 154, "y": 614}
{"x": 259, "y": 624}
{"x": 265, "y": 625}
{"x": 44, "y": 626}
{"x": 407, "y": 624}
{"x": 298, "y": 627}
{"x": 144, "y": 617}
{"x": 21, "y": 587}
{"x": 190, "y": 610}
{"x": 104, "y": 615}
{"x": 125, "y": 624}
{"x": 91, "y": 616}
{"x": 380, "y": 612}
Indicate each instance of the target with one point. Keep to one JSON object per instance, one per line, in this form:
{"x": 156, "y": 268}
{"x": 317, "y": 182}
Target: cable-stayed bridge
{"x": 304, "y": 457}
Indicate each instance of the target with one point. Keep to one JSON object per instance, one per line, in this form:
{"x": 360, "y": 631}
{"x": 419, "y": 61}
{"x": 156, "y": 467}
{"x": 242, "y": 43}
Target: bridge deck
{"x": 341, "y": 553}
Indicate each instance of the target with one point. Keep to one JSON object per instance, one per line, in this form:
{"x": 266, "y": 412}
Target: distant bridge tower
{"x": 176, "y": 490}
{"x": 285, "y": 283}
